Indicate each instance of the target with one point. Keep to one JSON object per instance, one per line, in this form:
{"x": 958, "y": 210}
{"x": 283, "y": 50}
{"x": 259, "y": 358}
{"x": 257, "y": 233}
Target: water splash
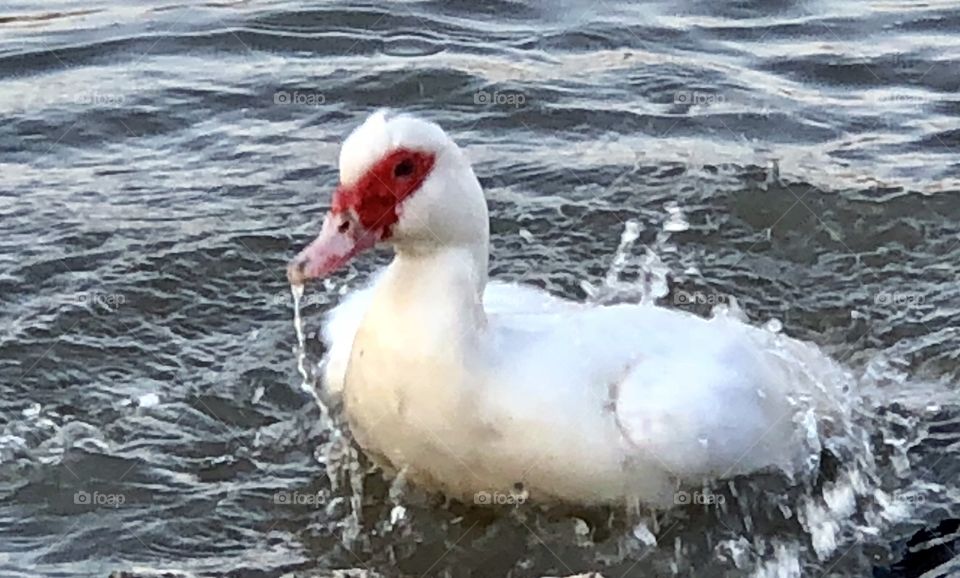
{"x": 650, "y": 282}
{"x": 676, "y": 221}
{"x": 845, "y": 413}
{"x": 338, "y": 455}
{"x": 730, "y": 309}
{"x": 307, "y": 384}
{"x": 773, "y": 326}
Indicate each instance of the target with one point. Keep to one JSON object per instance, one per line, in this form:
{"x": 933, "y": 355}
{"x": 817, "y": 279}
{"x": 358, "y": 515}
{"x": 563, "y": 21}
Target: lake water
{"x": 161, "y": 161}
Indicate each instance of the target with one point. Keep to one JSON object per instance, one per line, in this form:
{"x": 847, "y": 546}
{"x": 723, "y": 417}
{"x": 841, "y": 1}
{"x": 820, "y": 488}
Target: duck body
{"x": 571, "y": 402}
{"x": 474, "y": 388}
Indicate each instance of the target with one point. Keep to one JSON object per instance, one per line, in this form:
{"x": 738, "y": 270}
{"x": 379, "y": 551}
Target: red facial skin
{"x": 362, "y": 214}
{"x": 374, "y": 198}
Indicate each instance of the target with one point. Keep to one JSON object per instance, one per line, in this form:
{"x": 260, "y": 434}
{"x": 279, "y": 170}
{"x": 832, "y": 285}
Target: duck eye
{"x": 403, "y": 169}
{"x": 344, "y": 226}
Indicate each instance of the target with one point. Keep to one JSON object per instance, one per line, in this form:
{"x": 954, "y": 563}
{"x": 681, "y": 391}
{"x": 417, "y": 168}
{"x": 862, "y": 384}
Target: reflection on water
{"x": 793, "y": 163}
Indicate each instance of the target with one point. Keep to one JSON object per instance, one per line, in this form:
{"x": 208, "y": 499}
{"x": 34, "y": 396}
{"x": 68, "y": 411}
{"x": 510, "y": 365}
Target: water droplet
{"x": 642, "y": 533}
{"x": 773, "y": 175}
{"x": 731, "y": 309}
{"x": 676, "y": 221}
{"x": 397, "y": 514}
{"x": 148, "y": 400}
{"x": 581, "y": 528}
{"x": 631, "y": 232}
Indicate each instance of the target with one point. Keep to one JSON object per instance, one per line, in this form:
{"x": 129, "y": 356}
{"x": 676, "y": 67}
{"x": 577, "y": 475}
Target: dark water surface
{"x": 160, "y": 162}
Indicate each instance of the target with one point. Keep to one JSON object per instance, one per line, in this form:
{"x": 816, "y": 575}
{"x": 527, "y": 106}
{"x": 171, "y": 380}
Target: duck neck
{"x": 433, "y": 296}
{"x": 466, "y": 264}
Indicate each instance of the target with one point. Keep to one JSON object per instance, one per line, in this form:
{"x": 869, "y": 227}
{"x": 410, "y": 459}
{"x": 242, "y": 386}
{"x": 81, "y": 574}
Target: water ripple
{"x": 160, "y": 163}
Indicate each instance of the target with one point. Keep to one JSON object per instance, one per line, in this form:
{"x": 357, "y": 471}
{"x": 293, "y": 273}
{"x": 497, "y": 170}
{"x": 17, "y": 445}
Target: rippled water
{"x": 160, "y": 162}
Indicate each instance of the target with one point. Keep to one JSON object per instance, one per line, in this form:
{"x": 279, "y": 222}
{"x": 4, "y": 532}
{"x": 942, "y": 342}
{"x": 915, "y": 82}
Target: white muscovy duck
{"x": 471, "y": 387}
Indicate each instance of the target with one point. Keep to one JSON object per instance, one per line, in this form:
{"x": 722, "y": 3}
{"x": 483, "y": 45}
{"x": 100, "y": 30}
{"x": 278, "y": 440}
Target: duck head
{"x": 403, "y": 181}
